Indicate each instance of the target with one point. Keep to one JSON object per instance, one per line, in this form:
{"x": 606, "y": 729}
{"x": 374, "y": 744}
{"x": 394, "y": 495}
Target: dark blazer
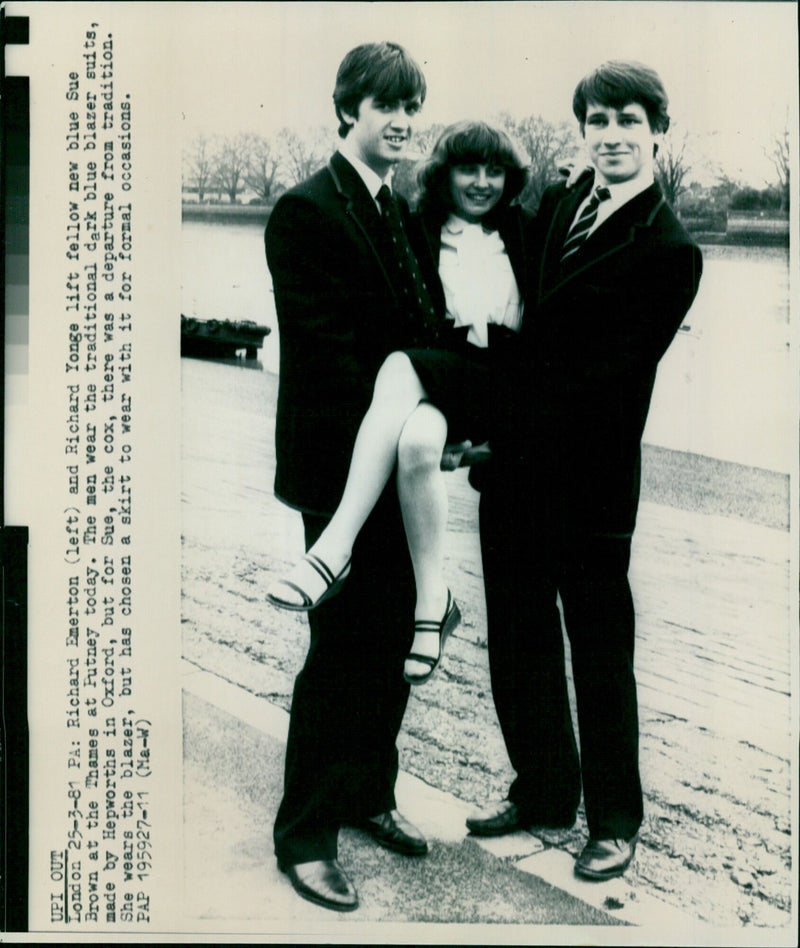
{"x": 339, "y": 316}
{"x": 593, "y": 335}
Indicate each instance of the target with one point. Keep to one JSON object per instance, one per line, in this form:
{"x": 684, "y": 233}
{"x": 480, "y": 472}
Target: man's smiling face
{"x": 620, "y": 142}
{"x": 381, "y": 131}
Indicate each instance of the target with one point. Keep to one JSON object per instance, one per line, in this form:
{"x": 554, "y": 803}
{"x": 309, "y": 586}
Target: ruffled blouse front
{"x": 478, "y": 281}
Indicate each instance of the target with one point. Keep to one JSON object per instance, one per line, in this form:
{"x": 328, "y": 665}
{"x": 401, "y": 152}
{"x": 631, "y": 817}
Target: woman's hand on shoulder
{"x": 573, "y": 172}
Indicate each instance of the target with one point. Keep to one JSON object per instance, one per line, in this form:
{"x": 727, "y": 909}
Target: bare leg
{"x": 423, "y": 501}
{"x": 397, "y": 393}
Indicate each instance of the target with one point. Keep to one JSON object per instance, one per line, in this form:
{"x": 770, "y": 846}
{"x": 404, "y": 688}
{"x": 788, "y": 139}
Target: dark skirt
{"x": 463, "y": 382}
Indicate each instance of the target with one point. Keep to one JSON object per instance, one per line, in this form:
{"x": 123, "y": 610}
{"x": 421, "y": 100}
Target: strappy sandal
{"x": 332, "y": 586}
{"x": 450, "y": 621}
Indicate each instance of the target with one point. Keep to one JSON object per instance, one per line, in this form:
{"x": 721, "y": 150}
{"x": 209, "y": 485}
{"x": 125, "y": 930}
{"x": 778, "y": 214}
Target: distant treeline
{"x": 252, "y": 170}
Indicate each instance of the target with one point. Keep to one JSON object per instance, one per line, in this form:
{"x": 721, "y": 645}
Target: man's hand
{"x": 463, "y": 454}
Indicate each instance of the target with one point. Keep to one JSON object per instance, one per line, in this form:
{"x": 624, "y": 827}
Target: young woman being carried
{"x": 425, "y": 399}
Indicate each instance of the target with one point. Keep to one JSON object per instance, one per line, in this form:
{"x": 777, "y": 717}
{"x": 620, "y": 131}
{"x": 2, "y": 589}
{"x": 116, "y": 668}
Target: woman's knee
{"x": 397, "y": 378}
{"x": 422, "y": 440}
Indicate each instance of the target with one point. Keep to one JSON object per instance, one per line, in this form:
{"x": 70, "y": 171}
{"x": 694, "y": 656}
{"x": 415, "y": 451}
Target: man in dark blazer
{"x": 338, "y": 289}
{"x": 612, "y": 278}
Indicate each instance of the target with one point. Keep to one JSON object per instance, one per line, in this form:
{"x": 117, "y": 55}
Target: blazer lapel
{"x": 433, "y": 236}
{"x": 620, "y": 230}
{"x": 550, "y": 260}
{"x": 359, "y": 207}
{"x": 511, "y": 232}
{"x": 429, "y": 234}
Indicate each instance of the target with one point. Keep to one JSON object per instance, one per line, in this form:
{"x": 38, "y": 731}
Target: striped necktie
{"x": 417, "y": 297}
{"x": 580, "y": 229}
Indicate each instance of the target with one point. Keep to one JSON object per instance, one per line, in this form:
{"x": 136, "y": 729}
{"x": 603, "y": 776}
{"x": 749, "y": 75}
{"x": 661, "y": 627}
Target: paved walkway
{"x": 713, "y": 660}
{"x": 716, "y": 652}
{"x": 234, "y": 746}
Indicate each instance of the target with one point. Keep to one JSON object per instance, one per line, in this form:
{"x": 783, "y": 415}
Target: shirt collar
{"x": 627, "y": 190}
{"x": 371, "y": 180}
{"x": 457, "y": 225}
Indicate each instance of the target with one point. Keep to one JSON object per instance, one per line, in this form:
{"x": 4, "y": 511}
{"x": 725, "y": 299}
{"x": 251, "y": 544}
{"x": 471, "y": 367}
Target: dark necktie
{"x": 580, "y": 229}
{"x": 415, "y": 293}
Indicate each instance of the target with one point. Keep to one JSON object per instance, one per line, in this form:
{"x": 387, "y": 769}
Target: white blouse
{"x": 479, "y": 284}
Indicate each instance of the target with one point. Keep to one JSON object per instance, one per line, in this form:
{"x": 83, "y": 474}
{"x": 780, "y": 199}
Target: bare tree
{"x": 404, "y": 178}
{"x": 547, "y": 146}
{"x": 231, "y": 159}
{"x": 302, "y": 155}
{"x": 198, "y": 165}
{"x": 423, "y": 141}
{"x": 672, "y": 167}
{"x": 779, "y": 156}
{"x": 261, "y": 174}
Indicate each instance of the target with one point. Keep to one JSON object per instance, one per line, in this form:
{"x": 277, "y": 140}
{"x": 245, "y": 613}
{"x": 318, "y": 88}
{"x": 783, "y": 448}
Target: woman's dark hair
{"x": 615, "y": 84}
{"x": 467, "y": 143}
{"x": 382, "y": 70}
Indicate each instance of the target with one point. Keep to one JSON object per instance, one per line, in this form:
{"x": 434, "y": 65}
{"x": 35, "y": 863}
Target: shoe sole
{"x": 318, "y": 900}
{"x": 289, "y": 606}
{"x": 600, "y": 876}
{"x": 499, "y": 831}
{"x": 335, "y": 906}
{"x": 331, "y": 591}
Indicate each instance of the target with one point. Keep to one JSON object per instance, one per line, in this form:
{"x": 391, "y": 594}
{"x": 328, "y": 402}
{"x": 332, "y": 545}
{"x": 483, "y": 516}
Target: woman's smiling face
{"x": 476, "y": 189}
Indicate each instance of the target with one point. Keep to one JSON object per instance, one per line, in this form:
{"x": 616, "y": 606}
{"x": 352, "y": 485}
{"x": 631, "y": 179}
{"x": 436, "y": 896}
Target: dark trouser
{"x": 528, "y": 561}
{"x": 350, "y": 696}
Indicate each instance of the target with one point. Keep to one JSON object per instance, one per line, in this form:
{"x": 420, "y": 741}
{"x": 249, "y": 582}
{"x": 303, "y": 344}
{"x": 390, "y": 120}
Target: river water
{"x": 726, "y": 388}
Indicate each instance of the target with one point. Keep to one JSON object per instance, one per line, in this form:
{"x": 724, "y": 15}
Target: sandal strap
{"x": 332, "y": 584}
{"x": 307, "y": 600}
{"x": 428, "y": 660}
{"x": 321, "y": 567}
{"x": 430, "y": 625}
{"x": 425, "y": 626}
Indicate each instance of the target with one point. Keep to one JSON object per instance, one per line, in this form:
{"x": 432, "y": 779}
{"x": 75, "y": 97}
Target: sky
{"x": 730, "y": 68}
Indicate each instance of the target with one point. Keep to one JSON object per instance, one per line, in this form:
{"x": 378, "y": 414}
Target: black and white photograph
{"x": 401, "y": 400}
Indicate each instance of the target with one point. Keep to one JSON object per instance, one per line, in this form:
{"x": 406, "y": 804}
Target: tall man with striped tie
{"x": 613, "y": 276}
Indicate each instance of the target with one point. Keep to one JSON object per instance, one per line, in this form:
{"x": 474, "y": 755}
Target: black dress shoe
{"x": 393, "y": 831}
{"x": 324, "y": 882}
{"x": 497, "y": 819}
{"x": 605, "y": 858}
